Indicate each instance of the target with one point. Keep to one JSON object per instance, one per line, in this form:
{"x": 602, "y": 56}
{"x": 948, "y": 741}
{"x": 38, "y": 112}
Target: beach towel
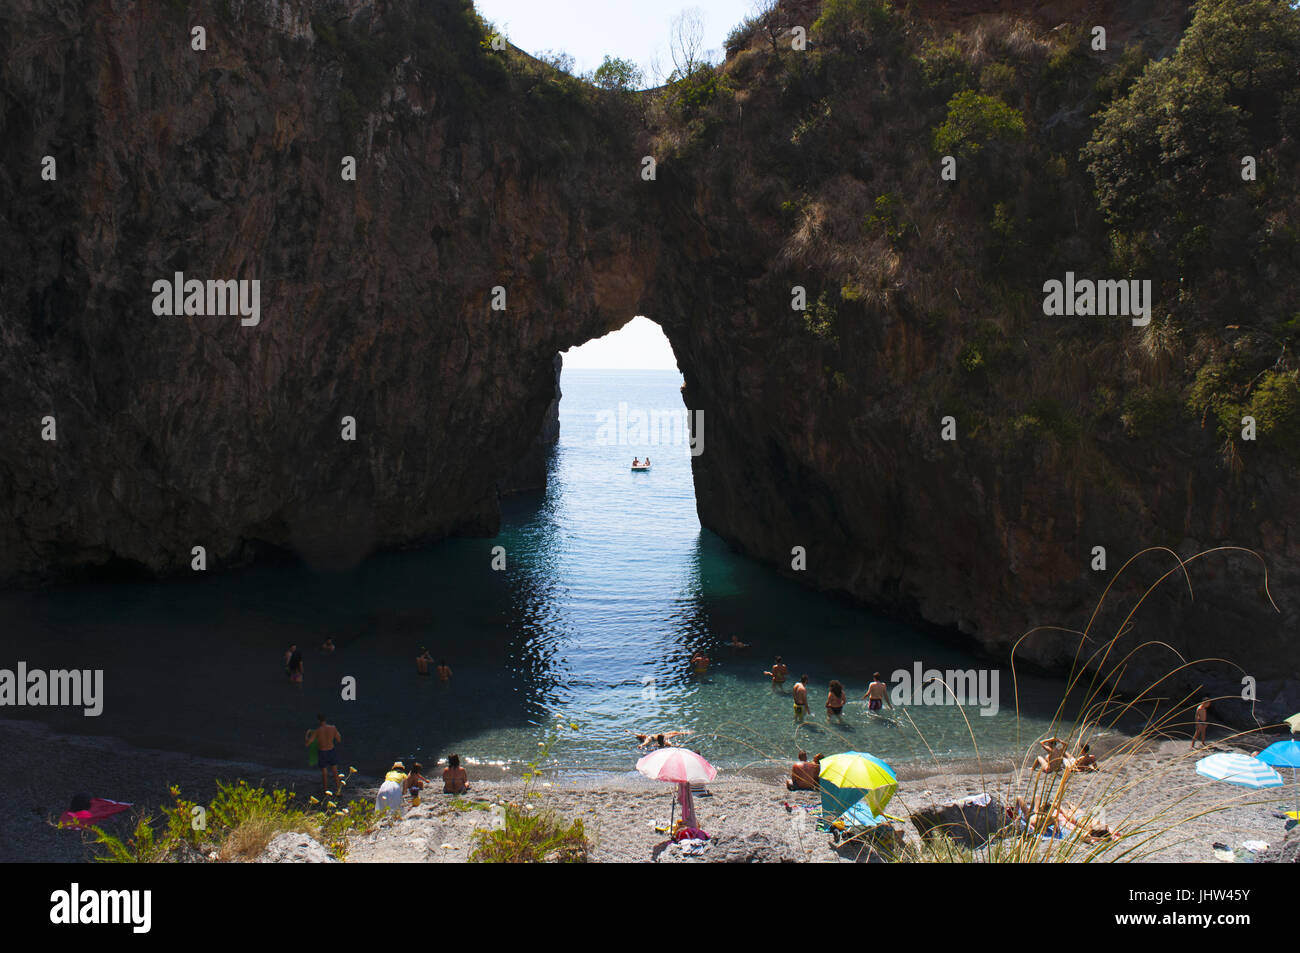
{"x": 313, "y": 754}
{"x": 100, "y": 808}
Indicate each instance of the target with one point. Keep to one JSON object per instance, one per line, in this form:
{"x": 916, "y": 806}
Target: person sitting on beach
{"x": 455, "y": 780}
{"x": 835, "y": 702}
{"x": 389, "y": 796}
{"x": 415, "y": 782}
{"x": 1054, "y": 758}
{"x": 778, "y": 673}
{"x": 444, "y": 670}
{"x": 800, "y": 695}
{"x": 877, "y": 694}
{"x": 700, "y": 663}
{"x": 804, "y": 773}
{"x": 735, "y": 642}
{"x": 422, "y": 661}
{"x": 1085, "y": 761}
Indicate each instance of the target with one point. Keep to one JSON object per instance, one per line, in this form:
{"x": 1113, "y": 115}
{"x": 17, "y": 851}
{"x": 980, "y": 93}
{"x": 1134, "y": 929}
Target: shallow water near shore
{"x": 610, "y": 585}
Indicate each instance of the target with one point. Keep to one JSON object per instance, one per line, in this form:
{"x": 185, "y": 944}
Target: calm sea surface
{"x": 610, "y": 584}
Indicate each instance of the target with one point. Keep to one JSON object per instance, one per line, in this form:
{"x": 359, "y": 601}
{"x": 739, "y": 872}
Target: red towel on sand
{"x": 100, "y": 808}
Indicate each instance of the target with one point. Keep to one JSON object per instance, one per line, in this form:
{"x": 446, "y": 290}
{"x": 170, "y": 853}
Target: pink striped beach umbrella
{"x": 681, "y": 767}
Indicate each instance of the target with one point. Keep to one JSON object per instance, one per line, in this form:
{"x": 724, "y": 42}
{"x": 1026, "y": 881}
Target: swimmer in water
{"x": 662, "y": 739}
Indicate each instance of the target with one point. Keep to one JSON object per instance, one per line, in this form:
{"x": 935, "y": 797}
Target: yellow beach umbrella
{"x": 845, "y": 774}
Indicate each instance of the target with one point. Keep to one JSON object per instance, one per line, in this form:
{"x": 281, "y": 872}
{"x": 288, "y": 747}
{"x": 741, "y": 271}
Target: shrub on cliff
{"x": 1167, "y": 158}
{"x": 617, "y": 74}
{"x": 976, "y": 121}
{"x": 850, "y": 20}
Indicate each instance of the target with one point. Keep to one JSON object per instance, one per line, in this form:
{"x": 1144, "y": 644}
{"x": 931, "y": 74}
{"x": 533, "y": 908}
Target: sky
{"x": 638, "y": 345}
{"x": 635, "y": 30}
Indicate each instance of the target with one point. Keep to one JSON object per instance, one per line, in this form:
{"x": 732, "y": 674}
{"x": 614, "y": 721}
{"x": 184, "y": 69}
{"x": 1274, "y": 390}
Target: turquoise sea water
{"x": 610, "y": 584}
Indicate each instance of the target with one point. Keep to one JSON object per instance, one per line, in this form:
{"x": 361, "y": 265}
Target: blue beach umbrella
{"x": 1239, "y": 769}
{"x": 1285, "y": 754}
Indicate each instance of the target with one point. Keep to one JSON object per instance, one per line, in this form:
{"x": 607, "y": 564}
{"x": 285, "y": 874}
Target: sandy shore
{"x": 751, "y": 817}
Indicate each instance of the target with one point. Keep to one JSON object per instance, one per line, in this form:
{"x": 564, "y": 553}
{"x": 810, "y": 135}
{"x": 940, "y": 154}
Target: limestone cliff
{"x": 479, "y": 169}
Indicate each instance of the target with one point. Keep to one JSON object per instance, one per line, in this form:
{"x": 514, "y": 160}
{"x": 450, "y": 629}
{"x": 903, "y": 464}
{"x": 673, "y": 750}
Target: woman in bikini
{"x": 835, "y": 702}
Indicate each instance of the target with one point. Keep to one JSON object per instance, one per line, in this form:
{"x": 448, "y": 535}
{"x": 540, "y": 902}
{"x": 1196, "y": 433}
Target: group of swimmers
{"x": 293, "y": 666}
{"x": 876, "y": 694}
{"x": 422, "y": 665}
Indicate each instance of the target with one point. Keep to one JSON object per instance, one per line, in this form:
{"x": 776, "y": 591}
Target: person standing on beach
{"x": 778, "y": 674}
{"x": 1202, "y": 722}
{"x": 293, "y": 664}
{"x": 877, "y": 693}
{"x": 800, "y": 695}
{"x": 326, "y": 737}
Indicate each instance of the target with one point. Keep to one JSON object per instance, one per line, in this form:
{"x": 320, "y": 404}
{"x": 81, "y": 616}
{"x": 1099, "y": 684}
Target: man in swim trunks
{"x": 326, "y": 737}
{"x": 800, "y": 695}
{"x": 422, "y": 661}
{"x": 876, "y": 695}
{"x": 700, "y": 663}
{"x": 804, "y": 773}
{"x": 778, "y": 673}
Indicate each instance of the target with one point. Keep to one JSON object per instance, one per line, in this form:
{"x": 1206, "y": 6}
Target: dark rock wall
{"x": 175, "y": 432}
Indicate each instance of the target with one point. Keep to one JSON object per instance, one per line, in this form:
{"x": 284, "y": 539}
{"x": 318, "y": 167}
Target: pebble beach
{"x": 1154, "y": 794}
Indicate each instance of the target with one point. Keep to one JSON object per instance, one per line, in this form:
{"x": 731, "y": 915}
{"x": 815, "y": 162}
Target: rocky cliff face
{"x": 478, "y": 170}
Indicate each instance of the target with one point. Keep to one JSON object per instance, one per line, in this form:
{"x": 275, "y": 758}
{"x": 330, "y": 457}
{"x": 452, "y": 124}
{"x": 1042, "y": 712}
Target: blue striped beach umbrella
{"x": 1285, "y": 754}
{"x": 1239, "y": 769}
